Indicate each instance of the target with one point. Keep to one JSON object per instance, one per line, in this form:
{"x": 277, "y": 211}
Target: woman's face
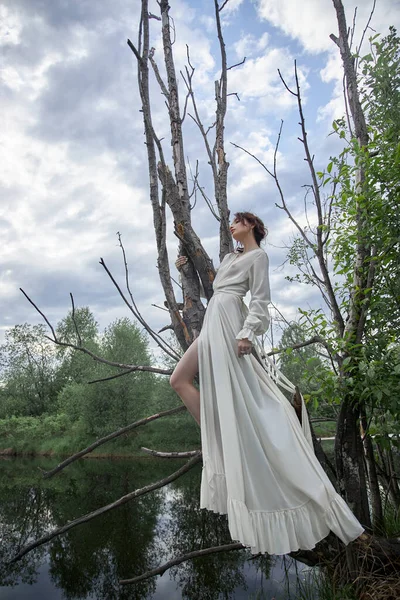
{"x": 239, "y": 230}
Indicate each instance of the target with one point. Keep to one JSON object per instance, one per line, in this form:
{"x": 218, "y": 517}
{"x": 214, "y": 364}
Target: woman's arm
{"x": 258, "y": 319}
{"x": 180, "y": 261}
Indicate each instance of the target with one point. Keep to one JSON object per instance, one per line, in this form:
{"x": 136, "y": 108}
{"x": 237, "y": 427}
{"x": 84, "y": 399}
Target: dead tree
{"x": 174, "y": 186}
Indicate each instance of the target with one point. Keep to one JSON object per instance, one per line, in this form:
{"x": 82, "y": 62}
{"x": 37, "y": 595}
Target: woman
{"x": 259, "y": 466}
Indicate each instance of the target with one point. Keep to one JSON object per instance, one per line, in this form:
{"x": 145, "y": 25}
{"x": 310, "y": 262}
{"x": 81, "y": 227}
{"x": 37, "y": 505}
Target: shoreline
{"x": 12, "y": 453}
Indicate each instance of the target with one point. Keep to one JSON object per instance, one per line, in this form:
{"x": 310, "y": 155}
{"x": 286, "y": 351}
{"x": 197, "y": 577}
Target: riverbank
{"x": 56, "y": 436}
{"x": 11, "y": 453}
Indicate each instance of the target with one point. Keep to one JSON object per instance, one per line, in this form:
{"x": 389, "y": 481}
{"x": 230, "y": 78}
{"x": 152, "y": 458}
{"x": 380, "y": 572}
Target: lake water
{"x": 89, "y": 561}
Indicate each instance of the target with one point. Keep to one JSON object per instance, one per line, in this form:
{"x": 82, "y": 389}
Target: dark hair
{"x": 259, "y": 230}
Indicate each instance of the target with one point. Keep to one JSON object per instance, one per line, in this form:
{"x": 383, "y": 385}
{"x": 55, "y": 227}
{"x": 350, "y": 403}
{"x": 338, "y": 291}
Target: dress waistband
{"x": 228, "y": 292}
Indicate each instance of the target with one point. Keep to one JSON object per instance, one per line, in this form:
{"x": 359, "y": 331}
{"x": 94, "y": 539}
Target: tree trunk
{"x": 393, "y": 483}
{"x": 158, "y": 209}
{"x": 350, "y": 464}
{"x": 221, "y": 167}
{"x": 376, "y": 500}
{"x": 348, "y": 445}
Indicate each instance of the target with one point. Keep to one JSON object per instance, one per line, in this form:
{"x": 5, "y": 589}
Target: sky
{"x": 73, "y": 169}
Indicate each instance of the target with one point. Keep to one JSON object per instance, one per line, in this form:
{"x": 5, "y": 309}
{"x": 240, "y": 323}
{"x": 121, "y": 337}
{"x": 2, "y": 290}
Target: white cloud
{"x": 250, "y": 44}
{"x": 231, "y": 6}
{"x": 10, "y": 26}
{"x": 309, "y": 22}
{"x": 258, "y": 79}
{"x": 312, "y": 21}
{"x": 208, "y": 22}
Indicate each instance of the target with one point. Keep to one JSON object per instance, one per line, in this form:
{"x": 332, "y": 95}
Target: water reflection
{"x": 89, "y": 561}
{"x": 189, "y": 527}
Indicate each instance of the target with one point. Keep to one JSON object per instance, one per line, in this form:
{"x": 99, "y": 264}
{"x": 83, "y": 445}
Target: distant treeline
{"x": 48, "y": 405}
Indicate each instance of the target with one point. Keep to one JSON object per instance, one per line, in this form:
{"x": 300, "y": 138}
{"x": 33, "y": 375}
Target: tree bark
{"x": 159, "y": 217}
{"x": 349, "y": 462}
{"x": 221, "y": 175}
{"x": 348, "y": 445}
{"x": 376, "y": 499}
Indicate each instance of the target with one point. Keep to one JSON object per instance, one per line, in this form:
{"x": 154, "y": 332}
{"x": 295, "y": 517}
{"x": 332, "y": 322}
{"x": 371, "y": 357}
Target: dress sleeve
{"x": 258, "y": 319}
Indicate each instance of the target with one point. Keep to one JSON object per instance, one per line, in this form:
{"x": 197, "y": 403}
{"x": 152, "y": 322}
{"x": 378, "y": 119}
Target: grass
{"x": 392, "y": 520}
{"x": 317, "y": 585}
{"x": 54, "y": 435}
{"x": 311, "y": 584}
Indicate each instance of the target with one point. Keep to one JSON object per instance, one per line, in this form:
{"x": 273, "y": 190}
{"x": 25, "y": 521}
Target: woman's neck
{"x": 249, "y": 245}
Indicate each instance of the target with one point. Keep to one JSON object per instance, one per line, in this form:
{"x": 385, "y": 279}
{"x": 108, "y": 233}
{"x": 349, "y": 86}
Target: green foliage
{"x": 306, "y": 367}
{"x": 73, "y": 412}
{"x": 361, "y": 233}
{"x": 76, "y": 366}
{"x": 109, "y": 405}
{"x": 25, "y": 434}
{"x": 28, "y": 365}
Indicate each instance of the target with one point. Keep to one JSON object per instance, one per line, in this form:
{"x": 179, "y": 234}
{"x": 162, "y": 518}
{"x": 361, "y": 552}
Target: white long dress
{"x": 259, "y": 465}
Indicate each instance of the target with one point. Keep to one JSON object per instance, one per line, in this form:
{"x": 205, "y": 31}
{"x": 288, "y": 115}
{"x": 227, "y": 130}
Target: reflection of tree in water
{"x": 188, "y": 529}
{"x": 21, "y": 514}
{"x": 90, "y": 559}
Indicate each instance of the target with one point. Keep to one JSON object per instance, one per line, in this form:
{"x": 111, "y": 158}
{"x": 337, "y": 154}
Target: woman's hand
{"x": 244, "y": 347}
{"x": 180, "y": 261}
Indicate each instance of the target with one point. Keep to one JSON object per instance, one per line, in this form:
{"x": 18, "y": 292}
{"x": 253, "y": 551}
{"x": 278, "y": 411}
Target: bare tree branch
{"x": 196, "y": 118}
{"x": 109, "y": 437}
{"x": 358, "y": 49}
{"x": 78, "y": 335}
{"x": 195, "y": 183}
{"x": 152, "y": 142}
{"x": 181, "y": 559}
{"x": 223, "y": 5}
{"x": 160, "y": 307}
{"x": 317, "y": 248}
{"x": 353, "y": 27}
{"x": 208, "y": 202}
{"x": 286, "y": 85}
{"x": 116, "y": 376}
{"x": 274, "y": 176}
{"x": 188, "y": 82}
{"x": 158, "y": 76}
{"x": 221, "y": 182}
{"x": 314, "y": 340}
{"x": 100, "y": 511}
{"x": 166, "y": 328}
{"x": 134, "y": 310}
{"x": 135, "y": 52}
{"x": 55, "y": 340}
{"x": 237, "y": 65}
{"x": 187, "y": 454}
{"x": 41, "y": 313}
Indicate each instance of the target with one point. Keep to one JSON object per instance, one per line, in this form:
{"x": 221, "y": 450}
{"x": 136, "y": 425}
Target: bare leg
{"x": 182, "y": 380}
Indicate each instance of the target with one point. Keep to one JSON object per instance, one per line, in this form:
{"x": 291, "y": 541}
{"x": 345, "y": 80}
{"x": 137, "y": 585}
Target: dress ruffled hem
{"x": 281, "y": 531}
